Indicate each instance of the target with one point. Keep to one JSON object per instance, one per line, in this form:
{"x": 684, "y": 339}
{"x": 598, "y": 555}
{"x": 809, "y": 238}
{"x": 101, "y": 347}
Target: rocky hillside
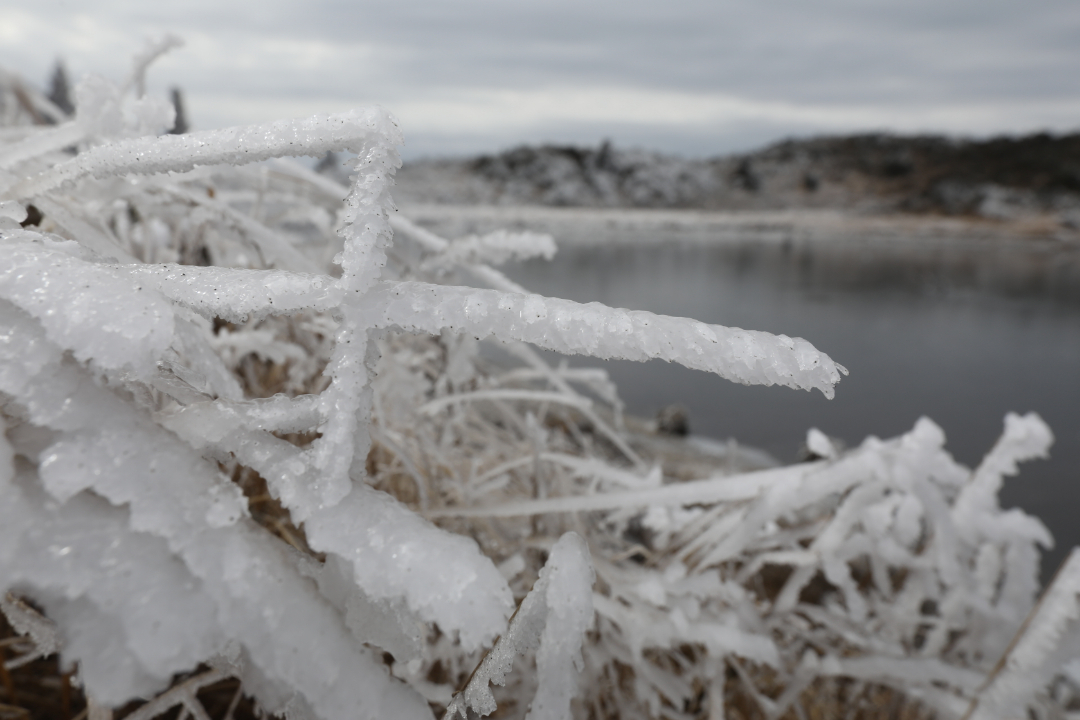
{"x": 997, "y": 178}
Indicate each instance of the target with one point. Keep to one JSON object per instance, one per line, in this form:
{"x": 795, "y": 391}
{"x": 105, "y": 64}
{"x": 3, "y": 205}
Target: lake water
{"x": 960, "y": 333}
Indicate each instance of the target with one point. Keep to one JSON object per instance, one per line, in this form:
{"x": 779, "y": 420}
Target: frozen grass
{"x": 250, "y": 435}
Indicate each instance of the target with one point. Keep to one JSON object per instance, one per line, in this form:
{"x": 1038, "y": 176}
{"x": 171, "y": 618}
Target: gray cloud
{"x": 697, "y": 76}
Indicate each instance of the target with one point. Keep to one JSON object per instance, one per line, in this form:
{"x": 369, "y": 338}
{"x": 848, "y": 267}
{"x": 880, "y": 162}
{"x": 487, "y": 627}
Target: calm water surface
{"x": 960, "y": 338}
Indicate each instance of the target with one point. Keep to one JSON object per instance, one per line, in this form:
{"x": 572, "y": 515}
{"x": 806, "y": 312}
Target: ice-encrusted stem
{"x": 41, "y": 142}
{"x": 733, "y": 488}
{"x": 237, "y": 294}
{"x": 495, "y": 248}
{"x": 434, "y": 244}
{"x": 347, "y": 402}
{"x": 86, "y": 308}
{"x": 296, "y": 640}
{"x": 311, "y": 483}
{"x": 1026, "y": 665}
{"x": 749, "y": 357}
{"x": 555, "y": 614}
{"x": 275, "y": 249}
{"x": 96, "y": 577}
{"x": 342, "y": 518}
{"x": 316, "y": 135}
{"x": 395, "y": 554}
{"x": 1026, "y": 437}
{"x": 26, "y": 621}
{"x": 152, "y": 50}
{"x": 392, "y": 554}
{"x": 497, "y": 280}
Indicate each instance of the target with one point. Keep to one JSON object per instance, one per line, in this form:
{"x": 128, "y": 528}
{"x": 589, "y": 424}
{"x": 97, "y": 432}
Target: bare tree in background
{"x": 180, "y": 125}
{"x": 60, "y": 89}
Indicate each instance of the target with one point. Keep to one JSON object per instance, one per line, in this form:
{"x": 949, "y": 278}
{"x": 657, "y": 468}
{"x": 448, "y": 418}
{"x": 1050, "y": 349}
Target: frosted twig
{"x": 551, "y": 615}
{"x": 1019, "y": 673}
{"x": 721, "y": 489}
{"x": 26, "y": 621}
{"x": 236, "y": 294}
{"x": 184, "y": 694}
{"x": 143, "y": 59}
{"x": 747, "y": 357}
{"x": 494, "y": 248}
{"x": 316, "y": 135}
{"x": 89, "y": 236}
{"x": 39, "y": 143}
{"x": 434, "y": 406}
{"x": 277, "y": 250}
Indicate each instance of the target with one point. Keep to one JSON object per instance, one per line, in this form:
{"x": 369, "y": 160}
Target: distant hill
{"x": 997, "y": 178}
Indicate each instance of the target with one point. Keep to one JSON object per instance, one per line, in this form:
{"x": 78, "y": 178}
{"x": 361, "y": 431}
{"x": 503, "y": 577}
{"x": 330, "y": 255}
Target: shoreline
{"x": 837, "y": 249}
{"x": 632, "y": 225}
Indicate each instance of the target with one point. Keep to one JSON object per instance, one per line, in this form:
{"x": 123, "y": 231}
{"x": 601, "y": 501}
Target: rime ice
{"x": 183, "y": 315}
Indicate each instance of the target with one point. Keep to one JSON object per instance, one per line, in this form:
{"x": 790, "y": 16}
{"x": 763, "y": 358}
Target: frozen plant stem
{"x": 554, "y": 616}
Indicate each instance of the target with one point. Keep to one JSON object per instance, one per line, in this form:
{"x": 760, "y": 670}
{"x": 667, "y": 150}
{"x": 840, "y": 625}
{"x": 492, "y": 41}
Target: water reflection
{"x": 959, "y": 332}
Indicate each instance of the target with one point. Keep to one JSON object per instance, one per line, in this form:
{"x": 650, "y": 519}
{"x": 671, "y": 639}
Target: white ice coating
{"x": 394, "y": 553}
{"x": 165, "y": 624}
{"x": 568, "y": 596}
{"x": 656, "y": 627}
{"x": 744, "y": 356}
{"x": 385, "y": 623}
{"x": 441, "y": 577}
{"x": 316, "y": 135}
{"x": 152, "y": 50}
{"x": 86, "y": 308}
{"x": 345, "y": 440}
{"x": 554, "y": 615}
{"x": 28, "y": 622}
{"x": 1030, "y": 663}
{"x": 1026, "y": 437}
{"x": 236, "y": 294}
{"x": 103, "y": 113}
{"x": 40, "y": 143}
{"x": 274, "y": 248}
{"x": 210, "y": 422}
{"x": 195, "y": 336}
{"x": 495, "y": 248}
{"x": 897, "y": 503}
{"x": 295, "y": 639}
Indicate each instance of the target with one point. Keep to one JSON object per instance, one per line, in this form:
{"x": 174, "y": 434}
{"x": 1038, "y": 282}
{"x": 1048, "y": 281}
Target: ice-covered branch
{"x": 296, "y": 640}
{"x": 720, "y": 489}
{"x": 495, "y": 248}
{"x": 1028, "y": 664}
{"x": 744, "y": 356}
{"x": 554, "y": 615}
{"x": 41, "y": 142}
{"x": 236, "y": 294}
{"x": 316, "y": 135}
{"x": 26, "y": 621}
{"x": 153, "y": 49}
{"x": 87, "y": 308}
{"x": 276, "y": 250}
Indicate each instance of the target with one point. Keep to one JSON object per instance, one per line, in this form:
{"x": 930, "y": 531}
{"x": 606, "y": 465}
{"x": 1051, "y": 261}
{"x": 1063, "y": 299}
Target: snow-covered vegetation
{"x": 1002, "y": 179}
{"x": 249, "y": 429}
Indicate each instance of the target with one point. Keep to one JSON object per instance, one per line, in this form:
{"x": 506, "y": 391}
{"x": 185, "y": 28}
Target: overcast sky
{"x": 697, "y": 77}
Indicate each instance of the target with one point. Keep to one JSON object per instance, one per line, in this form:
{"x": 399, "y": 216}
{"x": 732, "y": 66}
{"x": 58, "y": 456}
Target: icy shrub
{"x": 245, "y": 430}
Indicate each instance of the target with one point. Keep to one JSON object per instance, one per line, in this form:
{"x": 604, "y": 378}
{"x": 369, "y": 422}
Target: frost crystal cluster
{"x": 248, "y": 426}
